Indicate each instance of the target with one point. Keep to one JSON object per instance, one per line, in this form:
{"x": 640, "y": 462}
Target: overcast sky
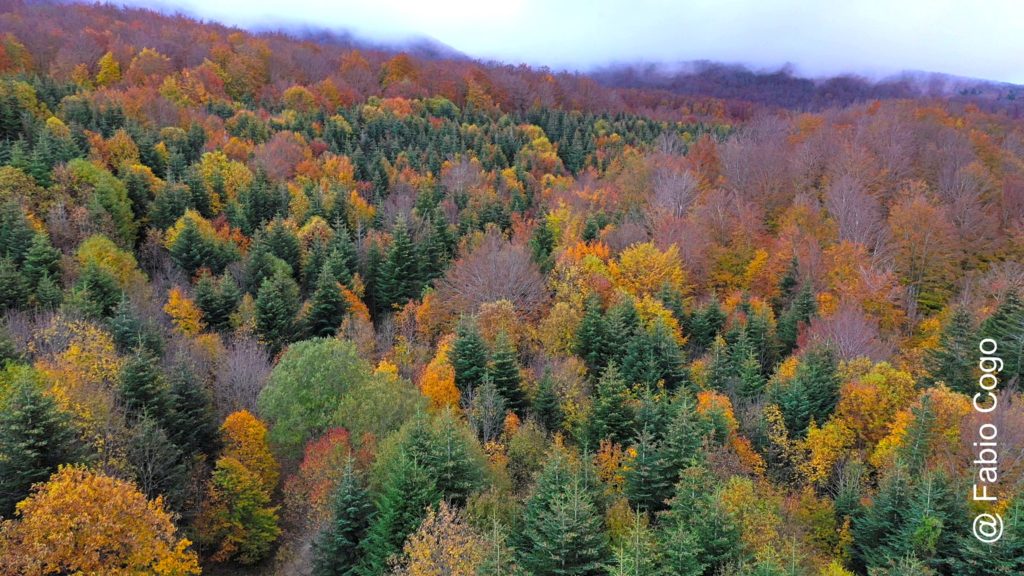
{"x": 979, "y": 38}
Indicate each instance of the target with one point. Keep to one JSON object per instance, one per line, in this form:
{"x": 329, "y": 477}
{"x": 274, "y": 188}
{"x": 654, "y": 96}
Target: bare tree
{"x": 241, "y": 376}
{"x": 673, "y": 186}
{"x": 850, "y": 333}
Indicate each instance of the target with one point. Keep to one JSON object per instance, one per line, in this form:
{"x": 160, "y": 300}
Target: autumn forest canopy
{"x": 279, "y": 306}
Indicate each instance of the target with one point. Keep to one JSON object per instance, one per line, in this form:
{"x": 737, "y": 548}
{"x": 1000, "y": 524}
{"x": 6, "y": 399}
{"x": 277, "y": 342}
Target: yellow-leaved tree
{"x": 83, "y": 522}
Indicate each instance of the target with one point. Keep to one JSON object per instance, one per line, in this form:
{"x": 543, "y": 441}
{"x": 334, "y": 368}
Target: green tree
{"x": 649, "y": 478}
{"x": 468, "y": 357}
{"x": 35, "y": 438}
{"x": 14, "y": 291}
{"x": 546, "y": 407}
{"x": 612, "y": 416}
{"x": 238, "y": 523}
{"x": 327, "y": 308}
{"x": 405, "y": 493}
{"x": 698, "y": 535}
{"x": 504, "y": 372}
{"x": 277, "y": 305}
{"x": 800, "y": 312}
{"x": 953, "y": 362}
{"x": 192, "y": 424}
{"x": 41, "y": 259}
{"x": 218, "y": 299}
{"x": 143, "y": 387}
{"x": 336, "y": 551}
{"x": 592, "y": 337}
{"x": 400, "y": 280}
{"x": 1006, "y": 327}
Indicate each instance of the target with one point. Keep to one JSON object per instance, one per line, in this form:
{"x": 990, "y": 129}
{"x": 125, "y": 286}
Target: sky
{"x": 875, "y": 38}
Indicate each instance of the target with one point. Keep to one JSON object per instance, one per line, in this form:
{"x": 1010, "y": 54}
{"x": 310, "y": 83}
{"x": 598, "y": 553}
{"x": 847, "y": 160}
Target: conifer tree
{"x": 468, "y": 357}
{"x": 190, "y": 250}
{"x": 799, "y": 313}
{"x": 546, "y": 407}
{"x": 277, "y": 305}
{"x": 327, "y": 307}
{"x": 1006, "y": 327}
{"x": 35, "y": 438}
{"x": 612, "y": 414}
{"x": 336, "y": 551}
{"x": 143, "y": 388}
{"x": 192, "y": 423}
{"x": 399, "y": 279}
{"x": 405, "y": 493}
{"x": 953, "y": 362}
{"x": 217, "y": 298}
{"x": 705, "y": 325}
{"x": 649, "y": 478}
{"x": 16, "y": 234}
{"x": 14, "y": 291}
{"x": 157, "y": 464}
{"x": 504, "y": 372}
{"x": 562, "y": 526}
{"x": 697, "y": 534}
{"x": 41, "y": 259}
{"x": 592, "y": 337}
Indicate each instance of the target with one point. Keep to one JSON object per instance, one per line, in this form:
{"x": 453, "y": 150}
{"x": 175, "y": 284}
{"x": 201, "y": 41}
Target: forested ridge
{"x": 273, "y": 306}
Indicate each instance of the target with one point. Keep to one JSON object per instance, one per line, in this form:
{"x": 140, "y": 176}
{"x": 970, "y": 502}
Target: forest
{"x": 278, "y": 306}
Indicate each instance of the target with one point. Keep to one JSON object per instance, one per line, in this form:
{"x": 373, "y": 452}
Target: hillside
{"x": 283, "y": 305}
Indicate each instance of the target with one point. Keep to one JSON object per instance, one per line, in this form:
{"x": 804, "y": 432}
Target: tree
{"x": 406, "y": 491}
{"x": 562, "y": 526}
{"x": 546, "y": 407}
{"x": 336, "y": 552}
{"x": 400, "y": 279}
{"x": 303, "y": 393}
{"x": 504, "y": 373}
{"x": 35, "y": 438}
{"x": 954, "y": 359}
{"x": 1006, "y": 327}
{"x": 468, "y": 357}
{"x": 237, "y": 521}
{"x": 41, "y": 260}
{"x": 143, "y": 387}
{"x": 245, "y": 440}
{"x": 612, "y": 415}
{"x": 327, "y": 307}
{"x": 592, "y": 337}
{"x": 109, "y": 70}
{"x": 158, "y": 466}
{"x": 277, "y": 305}
{"x": 799, "y": 314}
{"x": 192, "y": 423}
{"x": 812, "y": 392}
{"x": 443, "y": 544}
{"x": 217, "y": 299}
{"x": 649, "y": 477}
{"x": 96, "y": 293}
{"x": 82, "y": 522}
{"x": 14, "y": 291}
{"x": 638, "y": 552}
{"x": 698, "y": 535}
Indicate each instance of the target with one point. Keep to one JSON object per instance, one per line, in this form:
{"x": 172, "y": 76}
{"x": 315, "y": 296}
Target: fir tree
{"x": 14, "y": 291}
{"x": 399, "y": 280}
{"x": 143, "y": 388}
{"x": 468, "y": 357}
{"x": 130, "y": 333}
{"x": 190, "y": 250}
{"x": 97, "y": 293}
{"x": 277, "y": 305}
{"x": 562, "y": 530}
{"x": 612, "y": 415}
{"x": 41, "y": 259}
{"x": 799, "y": 313}
{"x": 546, "y": 407}
{"x": 1006, "y": 327}
{"x": 705, "y": 325}
{"x": 592, "y": 337}
{"x": 35, "y": 438}
{"x": 192, "y": 422}
{"x": 649, "y": 479}
{"x": 327, "y": 307}
{"x": 217, "y": 298}
{"x": 504, "y": 372}
{"x": 953, "y": 362}
{"x": 405, "y": 493}
{"x": 336, "y": 551}
{"x": 697, "y": 534}
{"x": 16, "y": 234}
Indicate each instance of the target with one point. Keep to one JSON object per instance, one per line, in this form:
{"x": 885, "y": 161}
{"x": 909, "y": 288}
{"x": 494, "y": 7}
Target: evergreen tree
{"x": 14, "y": 291}
{"x": 686, "y": 435}
{"x": 130, "y": 333}
{"x": 799, "y": 313}
{"x": 649, "y": 478}
{"x": 542, "y": 245}
{"x": 35, "y": 438}
{"x": 445, "y": 449}
{"x": 48, "y": 293}
{"x": 405, "y": 493}
{"x": 282, "y": 242}
{"x": 336, "y": 551}
{"x": 41, "y": 259}
{"x": 156, "y": 463}
{"x": 217, "y": 298}
{"x": 190, "y": 250}
{"x": 953, "y": 362}
{"x": 1006, "y": 327}
{"x": 876, "y": 530}
{"x": 399, "y": 280}
{"x": 546, "y": 407}
{"x": 638, "y": 553}
{"x": 192, "y": 422}
{"x": 143, "y": 388}
{"x": 705, "y": 325}
{"x": 277, "y": 305}
{"x": 327, "y": 307}
{"x": 468, "y": 357}
{"x": 1006, "y": 558}
{"x": 812, "y": 393}
{"x": 592, "y": 337}
{"x": 96, "y": 293}
{"x": 16, "y": 234}
{"x": 563, "y": 532}
{"x": 504, "y": 372}
{"x": 612, "y": 414}
{"x": 698, "y": 536}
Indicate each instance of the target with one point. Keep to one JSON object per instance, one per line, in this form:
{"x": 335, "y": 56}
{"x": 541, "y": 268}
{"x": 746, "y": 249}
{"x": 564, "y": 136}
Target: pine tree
{"x": 468, "y": 357}
{"x": 16, "y": 234}
{"x": 686, "y": 435}
{"x": 811, "y": 394}
{"x": 542, "y": 245}
{"x": 143, "y": 388}
{"x": 217, "y": 298}
{"x": 35, "y": 438}
{"x": 327, "y": 307}
{"x": 592, "y": 337}
{"x": 1006, "y": 558}
{"x": 623, "y": 324}
{"x": 705, "y": 325}
{"x": 282, "y": 242}
{"x": 697, "y": 534}
{"x": 638, "y": 553}
{"x": 875, "y": 532}
{"x": 96, "y": 293}
{"x": 190, "y": 250}
{"x": 953, "y": 362}
{"x": 546, "y": 407}
{"x": 504, "y": 372}
{"x": 277, "y": 304}
{"x": 336, "y": 551}
{"x": 405, "y": 493}
{"x": 442, "y": 446}
{"x": 48, "y": 293}
{"x": 130, "y": 333}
